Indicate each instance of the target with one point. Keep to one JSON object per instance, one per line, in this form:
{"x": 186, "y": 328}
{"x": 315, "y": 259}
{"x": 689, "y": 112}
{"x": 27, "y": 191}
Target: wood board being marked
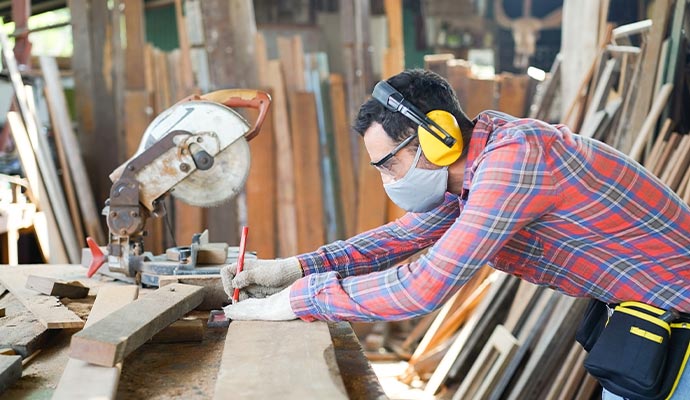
{"x": 81, "y": 380}
{"x": 111, "y": 339}
{"x": 313, "y": 372}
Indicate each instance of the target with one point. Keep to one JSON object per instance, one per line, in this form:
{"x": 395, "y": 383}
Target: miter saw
{"x": 197, "y": 151}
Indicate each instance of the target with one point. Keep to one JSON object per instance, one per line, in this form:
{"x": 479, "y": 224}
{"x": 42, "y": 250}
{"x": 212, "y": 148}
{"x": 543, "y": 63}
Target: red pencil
{"x": 240, "y": 260}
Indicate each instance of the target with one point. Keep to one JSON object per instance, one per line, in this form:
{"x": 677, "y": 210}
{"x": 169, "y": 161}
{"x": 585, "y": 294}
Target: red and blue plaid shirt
{"x": 539, "y": 202}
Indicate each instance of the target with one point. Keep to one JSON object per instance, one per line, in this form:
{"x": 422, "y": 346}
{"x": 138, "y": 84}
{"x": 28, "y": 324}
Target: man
{"x": 529, "y": 198}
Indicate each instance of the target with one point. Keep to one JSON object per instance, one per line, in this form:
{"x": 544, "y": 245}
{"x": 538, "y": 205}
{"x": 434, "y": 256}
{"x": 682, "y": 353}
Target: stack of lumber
{"x": 632, "y": 96}
{"x": 504, "y": 92}
{"x": 66, "y": 208}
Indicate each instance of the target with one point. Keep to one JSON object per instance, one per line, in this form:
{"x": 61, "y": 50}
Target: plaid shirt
{"x": 540, "y": 203}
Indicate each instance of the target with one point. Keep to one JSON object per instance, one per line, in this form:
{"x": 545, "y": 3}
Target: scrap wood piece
{"x": 10, "y": 371}
{"x": 7, "y": 351}
{"x": 55, "y": 287}
{"x": 47, "y": 309}
{"x": 2, "y": 312}
{"x": 307, "y": 345}
{"x": 20, "y": 330}
{"x": 83, "y": 380}
{"x": 109, "y": 340}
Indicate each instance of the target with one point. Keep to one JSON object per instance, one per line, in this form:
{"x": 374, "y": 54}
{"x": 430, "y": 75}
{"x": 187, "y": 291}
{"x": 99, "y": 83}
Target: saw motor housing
{"x": 197, "y": 151}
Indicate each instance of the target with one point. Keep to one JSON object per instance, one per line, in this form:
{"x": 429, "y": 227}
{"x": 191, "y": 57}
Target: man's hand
{"x": 272, "y": 308}
{"x": 261, "y": 278}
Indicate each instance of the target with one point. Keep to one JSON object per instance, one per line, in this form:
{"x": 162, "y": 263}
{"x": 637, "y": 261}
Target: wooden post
{"x": 230, "y": 30}
{"x": 94, "y": 94}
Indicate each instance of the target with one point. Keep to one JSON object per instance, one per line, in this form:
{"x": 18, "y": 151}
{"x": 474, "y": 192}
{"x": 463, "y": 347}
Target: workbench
{"x": 160, "y": 370}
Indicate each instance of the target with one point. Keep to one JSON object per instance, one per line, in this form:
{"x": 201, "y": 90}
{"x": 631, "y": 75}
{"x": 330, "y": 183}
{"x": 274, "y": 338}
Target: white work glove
{"x": 272, "y": 308}
{"x": 261, "y": 278}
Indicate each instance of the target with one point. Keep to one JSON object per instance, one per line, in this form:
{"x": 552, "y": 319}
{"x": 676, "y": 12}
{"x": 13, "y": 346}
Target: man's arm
{"x": 384, "y": 246}
{"x": 511, "y": 188}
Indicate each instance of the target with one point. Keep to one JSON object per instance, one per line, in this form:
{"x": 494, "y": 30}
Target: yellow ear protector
{"x": 439, "y": 133}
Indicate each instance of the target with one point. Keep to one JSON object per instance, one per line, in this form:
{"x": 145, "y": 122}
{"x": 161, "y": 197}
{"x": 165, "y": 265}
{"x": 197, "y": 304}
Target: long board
{"x": 246, "y": 370}
{"x": 109, "y": 340}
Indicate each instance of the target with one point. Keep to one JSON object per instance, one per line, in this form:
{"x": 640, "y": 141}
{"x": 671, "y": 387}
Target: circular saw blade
{"x": 223, "y": 181}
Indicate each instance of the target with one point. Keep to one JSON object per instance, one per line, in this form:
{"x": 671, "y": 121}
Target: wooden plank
{"x": 54, "y": 287}
{"x": 186, "y": 72}
{"x": 109, "y": 340}
{"x": 528, "y": 337}
{"x": 67, "y": 180}
{"x": 65, "y": 134}
{"x": 658, "y": 148}
{"x": 371, "y": 197}
{"x": 441, "y": 373}
{"x": 10, "y": 371}
{"x": 438, "y": 63}
{"x": 47, "y": 309}
{"x": 20, "y": 330}
{"x": 82, "y": 380}
{"x": 645, "y": 93}
{"x": 307, "y": 345}
{"x": 549, "y": 350}
{"x": 182, "y": 331}
{"x": 489, "y": 365}
{"x": 214, "y": 294}
{"x": 678, "y": 169}
{"x": 292, "y": 60}
{"x": 49, "y": 239}
{"x": 574, "y": 375}
{"x": 647, "y": 129}
{"x": 261, "y": 191}
{"x": 393, "y": 56}
{"x": 512, "y": 97}
{"x": 482, "y": 96}
{"x": 286, "y": 208}
{"x": 544, "y": 101}
{"x": 305, "y": 145}
{"x": 600, "y": 96}
{"x": 671, "y": 146}
{"x": 343, "y": 152}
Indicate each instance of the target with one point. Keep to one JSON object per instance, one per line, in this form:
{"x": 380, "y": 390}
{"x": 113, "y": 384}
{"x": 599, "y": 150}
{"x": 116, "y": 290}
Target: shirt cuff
{"x": 301, "y": 299}
{"x": 310, "y": 263}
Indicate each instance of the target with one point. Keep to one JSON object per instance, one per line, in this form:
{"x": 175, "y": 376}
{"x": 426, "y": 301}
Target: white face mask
{"x": 420, "y": 190}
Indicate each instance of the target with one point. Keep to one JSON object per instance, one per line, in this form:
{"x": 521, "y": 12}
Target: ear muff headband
{"x": 446, "y": 146}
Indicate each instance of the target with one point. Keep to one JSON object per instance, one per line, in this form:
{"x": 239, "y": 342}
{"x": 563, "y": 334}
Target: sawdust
{"x": 81, "y": 307}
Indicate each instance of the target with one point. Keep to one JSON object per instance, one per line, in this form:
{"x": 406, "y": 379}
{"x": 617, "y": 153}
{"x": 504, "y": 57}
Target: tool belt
{"x": 638, "y": 351}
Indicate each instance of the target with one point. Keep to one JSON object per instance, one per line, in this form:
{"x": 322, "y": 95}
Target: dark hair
{"x": 426, "y": 90}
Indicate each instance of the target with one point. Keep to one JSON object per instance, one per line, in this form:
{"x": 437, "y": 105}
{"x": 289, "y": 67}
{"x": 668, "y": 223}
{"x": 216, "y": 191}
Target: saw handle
{"x": 243, "y": 98}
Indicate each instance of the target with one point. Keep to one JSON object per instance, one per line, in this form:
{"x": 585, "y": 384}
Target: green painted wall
{"x": 161, "y": 27}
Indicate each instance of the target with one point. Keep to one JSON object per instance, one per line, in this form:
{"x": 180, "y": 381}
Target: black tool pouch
{"x": 593, "y": 323}
{"x": 639, "y": 355}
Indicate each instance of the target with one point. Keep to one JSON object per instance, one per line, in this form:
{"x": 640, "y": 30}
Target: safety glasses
{"x": 394, "y": 151}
